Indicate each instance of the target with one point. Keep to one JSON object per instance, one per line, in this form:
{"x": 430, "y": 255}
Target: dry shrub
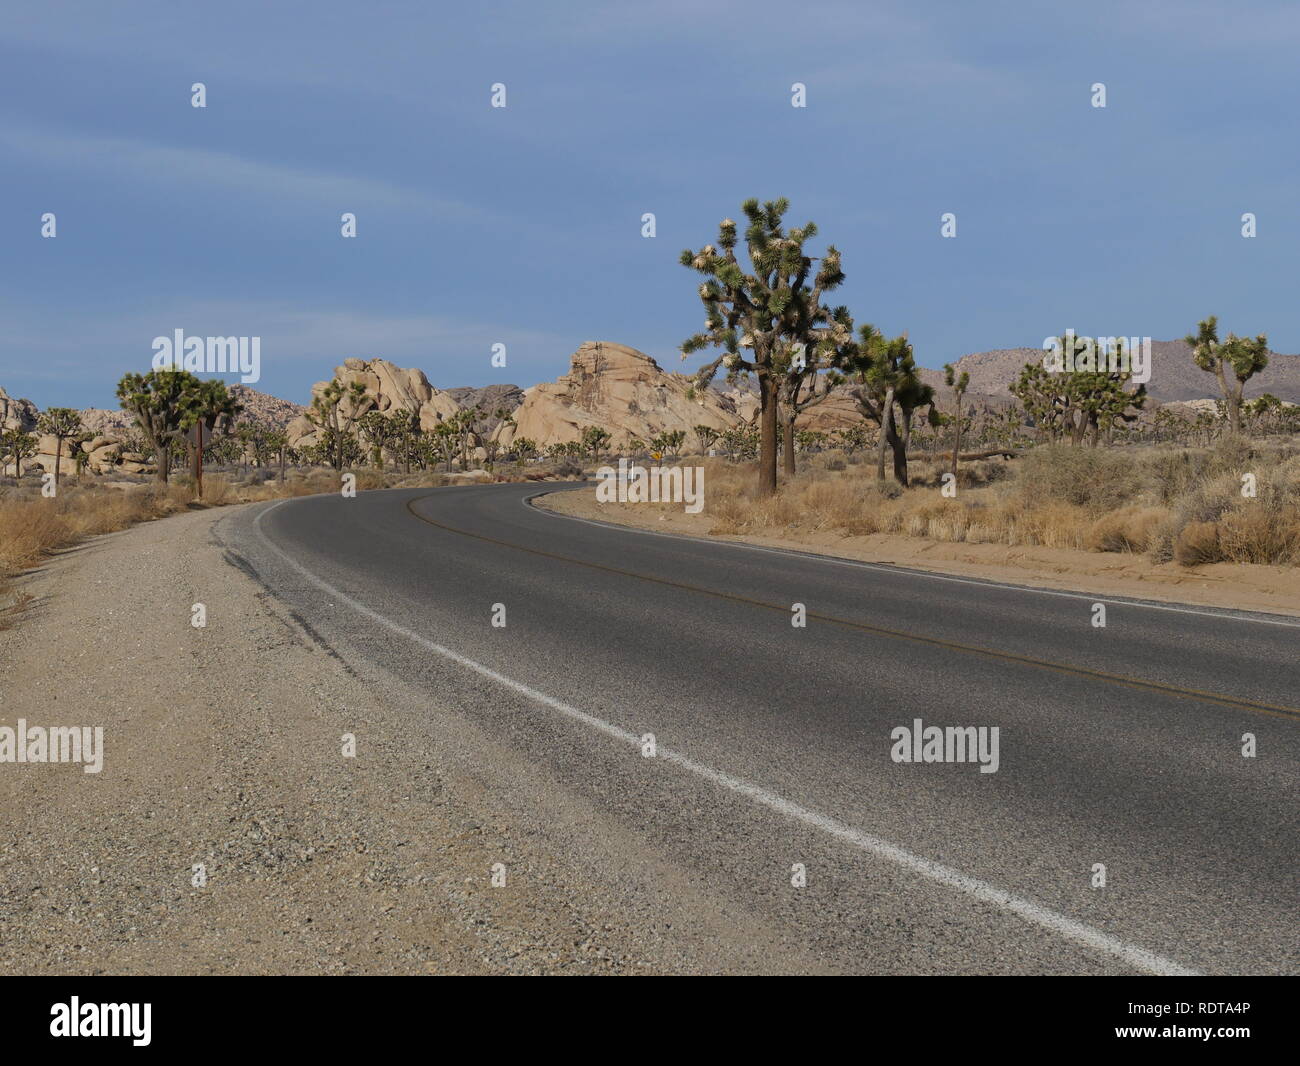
{"x": 844, "y": 504}
{"x": 824, "y": 496}
{"x": 1264, "y": 530}
{"x": 217, "y": 491}
{"x": 1172, "y": 474}
{"x": 729, "y": 514}
{"x": 1130, "y": 529}
{"x": 1093, "y": 478}
{"x": 984, "y": 533}
{"x": 1052, "y": 524}
{"x": 1211, "y": 499}
{"x": 943, "y": 520}
{"x": 1197, "y": 543}
{"x": 782, "y": 510}
{"x": 862, "y": 525}
{"x": 981, "y": 472}
{"x": 924, "y": 472}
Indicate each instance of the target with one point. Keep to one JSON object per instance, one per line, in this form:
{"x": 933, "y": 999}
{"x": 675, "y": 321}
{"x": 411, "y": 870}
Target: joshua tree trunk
{"x": 956, "y": 439}
{"x": 1234, "y": 405}
{"x": 787, "y": 445}
{"x": 901, "y": 438}
{"x": 886, "y": 418}
{"x": 767, "y": 431}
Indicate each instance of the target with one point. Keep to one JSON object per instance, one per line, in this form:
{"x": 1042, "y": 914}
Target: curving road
{"x": 1119, "y": 746}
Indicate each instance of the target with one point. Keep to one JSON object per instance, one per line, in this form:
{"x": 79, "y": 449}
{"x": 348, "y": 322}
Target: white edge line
{"x": 905, "y": 571}
{"x": 1034, "y": 913}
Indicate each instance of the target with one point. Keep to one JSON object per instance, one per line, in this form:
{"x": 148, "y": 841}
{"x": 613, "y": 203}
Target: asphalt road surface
{"x": 1120, "y": 746}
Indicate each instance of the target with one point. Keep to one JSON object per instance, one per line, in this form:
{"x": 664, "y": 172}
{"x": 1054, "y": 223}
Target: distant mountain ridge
{"x": 1174, "y": 377}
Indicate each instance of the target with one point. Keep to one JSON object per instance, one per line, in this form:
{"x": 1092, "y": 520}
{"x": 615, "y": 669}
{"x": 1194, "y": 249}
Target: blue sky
{"x": 522, "y": 225}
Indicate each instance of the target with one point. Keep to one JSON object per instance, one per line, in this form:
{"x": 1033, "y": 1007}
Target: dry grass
{"x": 1170, "y": 503}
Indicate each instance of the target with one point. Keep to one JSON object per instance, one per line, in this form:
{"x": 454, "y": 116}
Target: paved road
{"x": 1119, "y": 746}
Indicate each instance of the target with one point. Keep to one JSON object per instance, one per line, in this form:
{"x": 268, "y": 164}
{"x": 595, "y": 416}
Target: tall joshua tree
{"x": 777, "y": 302}
{"x": 60, "y": 423}
{"x": 208, "y": 403}
{"x": 157, "y": 399}
{"x": 958, "y": 383}
{"x": 1233, "y": 361}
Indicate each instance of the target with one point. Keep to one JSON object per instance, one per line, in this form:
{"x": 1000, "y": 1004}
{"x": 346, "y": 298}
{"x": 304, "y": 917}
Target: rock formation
{"x": 263, "y": 410}
{"x": 17, "y": 414}
{"x": 104, "y": 420}
{"x": 391, "y": 387}
{"x": 619, "y": 390}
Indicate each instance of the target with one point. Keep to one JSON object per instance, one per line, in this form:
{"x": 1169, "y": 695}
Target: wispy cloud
{"x": 145, "y": 161}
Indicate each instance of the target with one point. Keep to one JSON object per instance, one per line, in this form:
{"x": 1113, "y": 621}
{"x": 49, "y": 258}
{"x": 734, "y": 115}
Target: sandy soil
{"x": 1272, "y": 589}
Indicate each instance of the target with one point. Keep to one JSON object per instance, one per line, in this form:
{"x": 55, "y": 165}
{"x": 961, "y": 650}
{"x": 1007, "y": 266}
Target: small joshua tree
{"x": 888, "y": 390}
{"x": 524, "y": 449}
{"x": 706, "y": 435}
{"x": 1233, "y": 361}
{"x": 335, "y": 411}
{"x": 61, "y": 423}
{"x": 594, "y": 440}
{"x": 17, "y": 446}
{"x": 277, "y": 441}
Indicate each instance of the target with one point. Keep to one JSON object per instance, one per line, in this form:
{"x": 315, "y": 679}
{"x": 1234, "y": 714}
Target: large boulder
{"x": 17, "y": 414}
{"x": 264, "y": 410}
{"x": 389, "y": 388}
{"x": 100, "y": 454}
{"x": 107, "y": 421}
{"x": 622, "y": 391}
{"x": 45, "y": 459}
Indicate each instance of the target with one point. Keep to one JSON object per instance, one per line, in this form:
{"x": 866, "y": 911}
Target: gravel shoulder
{"x": 223, "y": 747}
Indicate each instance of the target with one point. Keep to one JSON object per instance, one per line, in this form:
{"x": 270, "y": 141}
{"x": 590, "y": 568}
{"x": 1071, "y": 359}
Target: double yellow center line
{"x": 1134, "y": 683}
